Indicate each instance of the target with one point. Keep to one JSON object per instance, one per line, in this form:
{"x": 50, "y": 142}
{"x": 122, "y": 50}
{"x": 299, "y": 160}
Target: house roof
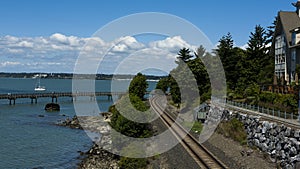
{"x": 289, "y": 21}
{"x": 296, "y": 4}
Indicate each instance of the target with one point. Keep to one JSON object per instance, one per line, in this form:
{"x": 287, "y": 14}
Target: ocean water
{"x": 31, "y": 141}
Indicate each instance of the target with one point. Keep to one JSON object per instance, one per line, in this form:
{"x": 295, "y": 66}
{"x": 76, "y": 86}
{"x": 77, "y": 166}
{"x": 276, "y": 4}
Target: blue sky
{"x": 81, "y": 19}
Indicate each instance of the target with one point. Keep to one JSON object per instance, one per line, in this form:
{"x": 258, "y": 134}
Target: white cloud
{"x": 60, "y": 47}
{"x": 8, "y": 63}
{"x": 25, "y": 44}
{"x": 14, "y": 51}
{"x": 120, "y": 48}
{"x": 244, "y": 46}
{"x": 11, "y": 39}
{"x": 131, "y": 42}
{"x": 58, "y": 52}
{"x": 74, "y": 41}
{"x": 148, "y": 58}
{"x": 126, "y": 44}
{"x": 59, "y": 38}
{"x": 172, "y": 43}
{"x": 71, "y": 41}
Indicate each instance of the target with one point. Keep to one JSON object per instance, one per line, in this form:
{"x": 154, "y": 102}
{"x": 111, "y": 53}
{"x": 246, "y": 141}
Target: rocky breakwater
{"x": 71, "y": 122}
{"x": 97, "y": 124}
{"x": 97, "y": 156}
{"x": 282, "y": 143}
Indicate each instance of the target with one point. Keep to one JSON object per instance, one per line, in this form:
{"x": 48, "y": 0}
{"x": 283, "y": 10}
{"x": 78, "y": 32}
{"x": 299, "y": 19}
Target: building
{"x": 286, "y": 44}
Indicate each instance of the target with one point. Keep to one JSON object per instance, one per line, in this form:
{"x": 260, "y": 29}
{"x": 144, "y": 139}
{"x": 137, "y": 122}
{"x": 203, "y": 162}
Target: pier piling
{"x": 10, "y": 101}
{"x": 54, "y": 97}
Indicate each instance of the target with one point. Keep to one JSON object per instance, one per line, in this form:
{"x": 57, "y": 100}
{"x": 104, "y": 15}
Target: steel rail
{"x": 198, "y": 152}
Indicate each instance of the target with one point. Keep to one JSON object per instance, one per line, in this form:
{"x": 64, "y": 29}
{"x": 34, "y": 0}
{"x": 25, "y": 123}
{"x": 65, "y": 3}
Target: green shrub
{"x": 132, "y": 163}
{"x": 233, "y": 129}
{"x": 268, "y": 97}
{"x": 132, "y": 150}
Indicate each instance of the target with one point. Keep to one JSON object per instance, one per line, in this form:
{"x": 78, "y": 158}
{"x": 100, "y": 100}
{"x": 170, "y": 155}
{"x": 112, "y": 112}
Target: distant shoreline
{"x": 78, "y": 76}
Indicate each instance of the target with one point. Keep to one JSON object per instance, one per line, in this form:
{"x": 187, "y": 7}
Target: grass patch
{"x": 196, "y": 127}
{"x": 233, "y": 129}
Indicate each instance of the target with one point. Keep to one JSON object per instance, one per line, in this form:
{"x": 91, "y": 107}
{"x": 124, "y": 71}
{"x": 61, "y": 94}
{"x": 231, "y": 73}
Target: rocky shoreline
{"x": 97, "y": 156}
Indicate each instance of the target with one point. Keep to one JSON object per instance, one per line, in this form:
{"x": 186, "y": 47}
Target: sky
{"x": 49, "y": 35}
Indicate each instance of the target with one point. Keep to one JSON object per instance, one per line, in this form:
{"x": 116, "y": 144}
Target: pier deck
{"x": 54, "y": 95}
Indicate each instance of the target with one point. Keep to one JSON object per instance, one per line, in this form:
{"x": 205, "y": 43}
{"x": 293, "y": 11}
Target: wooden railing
{"x": 283, "y": 89}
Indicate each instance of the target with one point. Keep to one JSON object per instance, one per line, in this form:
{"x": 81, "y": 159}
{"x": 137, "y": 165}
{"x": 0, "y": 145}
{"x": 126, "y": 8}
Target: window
{"x": 279, "y": 50}
{"x": 294, "y": 38}
{"x": 293, "y": 54}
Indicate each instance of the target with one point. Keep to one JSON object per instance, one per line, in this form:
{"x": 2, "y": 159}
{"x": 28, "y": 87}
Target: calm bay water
{"x": 30, "y": 141}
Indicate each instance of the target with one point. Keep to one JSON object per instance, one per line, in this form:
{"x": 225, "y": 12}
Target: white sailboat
{"x": 38, "y": 87}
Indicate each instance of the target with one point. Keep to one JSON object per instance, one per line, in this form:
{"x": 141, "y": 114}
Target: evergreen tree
{"x": 184, "y": 55}
{"x": 226, "y": 44}
{"x": 201, "y": 51}
{"x": 229, "y": 57}
{"x": 257, "y": 55}
{"x": 257, "y": 43}
{"x": 199, "y": 70}
{"x": 270, "y": 32}
{"x": 267, "y": 73}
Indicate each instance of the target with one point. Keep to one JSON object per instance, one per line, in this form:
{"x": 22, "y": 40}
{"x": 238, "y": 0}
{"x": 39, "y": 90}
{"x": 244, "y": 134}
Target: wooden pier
{"x": 12, "y": 97}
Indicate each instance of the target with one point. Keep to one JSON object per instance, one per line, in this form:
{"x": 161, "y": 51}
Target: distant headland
{"x": 71, "y": 75}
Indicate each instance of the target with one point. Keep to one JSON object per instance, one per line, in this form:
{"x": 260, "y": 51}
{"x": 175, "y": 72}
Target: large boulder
{"x": 52, "y": 107}
{"x": 297, "y": 134}
{"x": 288, "y": 132}
{"x": 293, "y": 151}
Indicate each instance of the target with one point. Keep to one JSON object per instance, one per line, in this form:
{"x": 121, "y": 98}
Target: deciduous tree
{"x": 138, "y": 85}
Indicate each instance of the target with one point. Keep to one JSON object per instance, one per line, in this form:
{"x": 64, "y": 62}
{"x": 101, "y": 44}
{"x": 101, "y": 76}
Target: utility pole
{"x": 298, "y": 87}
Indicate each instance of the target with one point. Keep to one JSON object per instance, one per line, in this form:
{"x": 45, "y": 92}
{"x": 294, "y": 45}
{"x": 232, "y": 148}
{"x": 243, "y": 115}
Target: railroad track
{"x": 264, "y": 116}
{"x": 199, "y": 153}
